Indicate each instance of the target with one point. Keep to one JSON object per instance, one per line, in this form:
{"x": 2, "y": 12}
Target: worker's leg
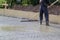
{"x": 41, "y": 15}
{"x": 46, "y": 16}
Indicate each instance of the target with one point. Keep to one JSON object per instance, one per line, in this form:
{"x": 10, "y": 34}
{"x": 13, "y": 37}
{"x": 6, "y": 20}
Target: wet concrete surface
{"x": 14, "y": 29}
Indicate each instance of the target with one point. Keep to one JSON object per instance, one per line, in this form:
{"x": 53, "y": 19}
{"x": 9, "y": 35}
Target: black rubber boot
{"x": 40, "y": 22}
{"x": 47, "y": 23}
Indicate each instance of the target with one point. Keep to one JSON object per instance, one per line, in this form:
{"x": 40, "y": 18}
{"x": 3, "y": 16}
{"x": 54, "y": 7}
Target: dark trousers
{"x": 45, "y": 11}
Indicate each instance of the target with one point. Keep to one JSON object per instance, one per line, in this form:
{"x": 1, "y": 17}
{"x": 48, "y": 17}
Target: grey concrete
{"x": 32, "y": 30}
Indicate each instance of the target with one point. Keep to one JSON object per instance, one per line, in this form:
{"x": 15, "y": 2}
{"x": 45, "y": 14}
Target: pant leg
{"x": 46, "y": 14}
{"x": 41, "y": 14}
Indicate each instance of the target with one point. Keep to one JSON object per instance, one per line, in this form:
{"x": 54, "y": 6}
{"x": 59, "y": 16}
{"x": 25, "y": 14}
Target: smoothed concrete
{"x": 13, "y": 29}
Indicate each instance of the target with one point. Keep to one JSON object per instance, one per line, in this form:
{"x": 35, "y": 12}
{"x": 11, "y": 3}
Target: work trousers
{"x": 44, "y": 10}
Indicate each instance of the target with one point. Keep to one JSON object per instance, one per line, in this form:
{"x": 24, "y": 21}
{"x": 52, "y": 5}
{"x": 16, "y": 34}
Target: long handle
{"x": 54, "y": 3}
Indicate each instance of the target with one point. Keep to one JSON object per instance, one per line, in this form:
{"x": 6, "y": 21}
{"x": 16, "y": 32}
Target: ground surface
{"x": 14, "y": 29}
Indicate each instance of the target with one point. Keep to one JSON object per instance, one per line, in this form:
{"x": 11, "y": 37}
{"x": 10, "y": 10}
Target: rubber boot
{"x": 40, "y": 22}
{"x": 47, "y": 23}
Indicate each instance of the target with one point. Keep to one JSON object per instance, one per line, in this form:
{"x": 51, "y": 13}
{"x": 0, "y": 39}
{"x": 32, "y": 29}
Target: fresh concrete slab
{"x": 13, "y": 29}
